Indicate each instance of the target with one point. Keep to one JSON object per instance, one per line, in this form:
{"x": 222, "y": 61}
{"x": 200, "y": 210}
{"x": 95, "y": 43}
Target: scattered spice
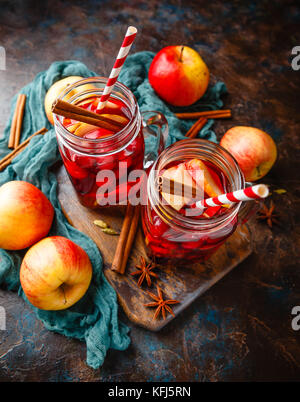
{"x": 161, "y": 304}
{"x": 196, "y": 127}
{"x": 17, "y": 120}
{"x": 126, "y": 239}
{"x": 209, "y": 114}
{"x": 110, "y": 231}
{"x": 101, "y": 224}
{"x": 145, "y": 271}
{"x": 267, "y": 214}
{"x": 280, "y": 191}
{"x": 105, "y": 227}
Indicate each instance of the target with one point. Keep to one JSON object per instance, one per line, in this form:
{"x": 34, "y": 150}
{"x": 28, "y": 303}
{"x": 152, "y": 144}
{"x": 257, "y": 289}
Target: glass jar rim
{"x": 85, "y": 81}
{"x": 169, "y": 214}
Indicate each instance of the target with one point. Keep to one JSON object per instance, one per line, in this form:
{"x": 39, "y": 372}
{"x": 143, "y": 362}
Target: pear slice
{"x": 179, "y": 175}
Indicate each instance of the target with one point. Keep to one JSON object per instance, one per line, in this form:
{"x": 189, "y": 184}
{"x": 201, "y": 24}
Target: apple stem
{"x": 63, "y": 290}
{"x": 181, "y": 52}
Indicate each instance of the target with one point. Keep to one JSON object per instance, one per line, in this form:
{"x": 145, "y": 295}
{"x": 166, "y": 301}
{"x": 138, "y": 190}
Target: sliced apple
{"x": 179, "y": 175}
{"x": 110, "y": 107}
{"x": 117, "y": 118}
{"x": 91, "y": 132}
{"x": 72, "y": 127}
{"x": 83, "y": 128}
{"x": 87, "y": 101}
{"x": 196, "y": 168}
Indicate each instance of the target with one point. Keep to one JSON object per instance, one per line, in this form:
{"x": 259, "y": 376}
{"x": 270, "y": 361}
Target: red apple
{"x": 254, "y": 150}
{"x": 55, "y": 273}
{"x": 179, "y": 75}
{"x": 25, "y": 215}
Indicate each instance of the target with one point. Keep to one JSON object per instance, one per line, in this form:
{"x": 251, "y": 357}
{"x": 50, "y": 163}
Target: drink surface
{"x": 169, "y": 241}
{"x": 83, "y": 166}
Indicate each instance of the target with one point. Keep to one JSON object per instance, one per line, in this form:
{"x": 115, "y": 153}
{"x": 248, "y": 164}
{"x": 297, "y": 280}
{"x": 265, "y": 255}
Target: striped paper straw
{"x": 250, "y": 193}
{"x": 123, "y": 52}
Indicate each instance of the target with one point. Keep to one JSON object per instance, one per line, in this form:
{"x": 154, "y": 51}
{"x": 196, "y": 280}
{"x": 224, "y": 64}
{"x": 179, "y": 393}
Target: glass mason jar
{"x": 171, "y": 235}
{"x": 106, "y": 162}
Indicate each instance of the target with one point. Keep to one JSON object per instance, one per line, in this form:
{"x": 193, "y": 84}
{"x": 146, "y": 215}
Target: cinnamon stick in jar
{"x": 74, "y": 112}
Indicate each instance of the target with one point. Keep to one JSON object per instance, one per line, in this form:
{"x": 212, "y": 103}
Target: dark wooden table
{"x": 241, "y": 328}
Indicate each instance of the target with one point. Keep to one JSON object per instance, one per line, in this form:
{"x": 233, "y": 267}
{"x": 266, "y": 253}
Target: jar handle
{"x": 155, "y": 131}
{"x": 248, "y": 208}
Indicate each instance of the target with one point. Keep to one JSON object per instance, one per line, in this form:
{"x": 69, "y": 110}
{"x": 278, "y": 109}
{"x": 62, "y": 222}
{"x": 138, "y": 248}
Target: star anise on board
{"x": 145, "y": 271}
{"x": 161, "y": 305}
{"x": 267, "y": 214}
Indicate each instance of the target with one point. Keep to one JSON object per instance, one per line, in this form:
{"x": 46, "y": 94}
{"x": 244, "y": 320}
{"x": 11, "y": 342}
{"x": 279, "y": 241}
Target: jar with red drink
{"x": 177, "y": 235}
{"x": 96, "y": 158}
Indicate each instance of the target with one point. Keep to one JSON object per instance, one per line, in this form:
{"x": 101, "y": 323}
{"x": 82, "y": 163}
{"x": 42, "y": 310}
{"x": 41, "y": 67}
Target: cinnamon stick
{"x": 194, "y": 130}
{"x": 4, "y": 162}
{"x": 126, "y": 238}
{"x": 20, "y": 120}
{"x": 11, "y": 140}
{"x": 131, "y": 237}
{"x": 116, "y": 264}
{"x": 16, "y": 124}
{"x": 74, "y": 112}
{"x": 212, "y": 114}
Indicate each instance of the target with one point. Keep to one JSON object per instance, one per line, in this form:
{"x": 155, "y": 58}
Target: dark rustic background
{"x": 241, "y": 328}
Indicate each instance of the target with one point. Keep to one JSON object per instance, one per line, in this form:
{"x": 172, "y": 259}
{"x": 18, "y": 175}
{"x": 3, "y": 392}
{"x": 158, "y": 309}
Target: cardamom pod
{"x": 101, "y": 224}
{"x": 110, "y": 231}
{"x": 280, "y": 191}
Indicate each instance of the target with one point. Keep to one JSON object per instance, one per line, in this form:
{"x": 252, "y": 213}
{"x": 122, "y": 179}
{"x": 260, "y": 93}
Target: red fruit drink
{"x": 88, "y": 151}
{"x": 174, "y": 228}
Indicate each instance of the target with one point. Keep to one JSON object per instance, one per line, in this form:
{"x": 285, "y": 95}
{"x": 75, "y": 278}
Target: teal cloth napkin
{"x": 94, "y": 319}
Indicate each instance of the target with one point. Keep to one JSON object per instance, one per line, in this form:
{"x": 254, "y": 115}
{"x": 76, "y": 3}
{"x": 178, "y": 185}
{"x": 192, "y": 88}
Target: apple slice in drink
{"x": 117, "y": 118}
{"x": 72, "y": 127}
{"x": 89, "y": 131}
{"x": 202, "y": 176}
{"x": 112, "y": 107}
{"x": 179, "y": 176}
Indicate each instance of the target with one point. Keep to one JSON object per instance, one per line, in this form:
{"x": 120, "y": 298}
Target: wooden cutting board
{"x": 183, "y": 283}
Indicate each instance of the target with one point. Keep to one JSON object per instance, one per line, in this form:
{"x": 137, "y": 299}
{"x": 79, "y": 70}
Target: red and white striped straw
{"x": 250, "y": 193}
{"x": 123, "y": 52}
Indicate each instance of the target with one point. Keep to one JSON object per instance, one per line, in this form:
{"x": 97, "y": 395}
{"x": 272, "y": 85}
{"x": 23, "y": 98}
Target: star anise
{"x": 267, "y": 214}
{"x": 161, "y": 304}
{"x": 145, "y": 272}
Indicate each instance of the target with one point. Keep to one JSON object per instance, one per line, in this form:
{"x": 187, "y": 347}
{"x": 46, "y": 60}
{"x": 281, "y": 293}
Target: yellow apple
{"x": 55, "y": 273}
{"x": 254, "y": 150}
{"x": 57, "y": 88}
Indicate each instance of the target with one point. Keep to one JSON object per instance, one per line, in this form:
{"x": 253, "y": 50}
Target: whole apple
{"x": 254, "y": 150}
{"x": 26, "y": 215}
{"x": 55, "y": 273}
{"x": 57, "y": 88}
{"x": 179, "y": 75}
